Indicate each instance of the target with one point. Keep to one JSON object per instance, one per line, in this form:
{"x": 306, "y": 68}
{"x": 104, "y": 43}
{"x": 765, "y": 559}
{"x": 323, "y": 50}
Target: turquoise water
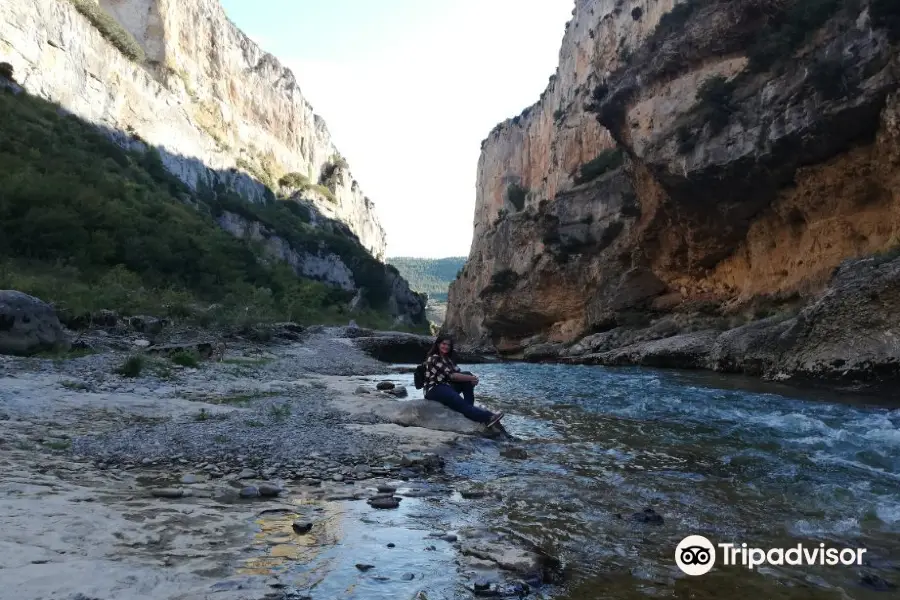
{"x": 733, "y": 460}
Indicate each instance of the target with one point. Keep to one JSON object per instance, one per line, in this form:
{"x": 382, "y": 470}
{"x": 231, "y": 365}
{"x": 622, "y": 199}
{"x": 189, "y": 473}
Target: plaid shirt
{"x": 438, "y": 370}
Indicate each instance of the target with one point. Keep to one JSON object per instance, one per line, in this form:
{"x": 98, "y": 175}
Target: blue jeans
{"x": 449, "y": 397}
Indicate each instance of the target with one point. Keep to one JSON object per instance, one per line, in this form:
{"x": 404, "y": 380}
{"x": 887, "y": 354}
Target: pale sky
{"x": 409, "y": 88}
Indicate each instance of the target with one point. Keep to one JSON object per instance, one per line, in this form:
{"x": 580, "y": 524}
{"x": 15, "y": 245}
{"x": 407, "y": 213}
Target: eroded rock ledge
{"x": 848, "y": 335}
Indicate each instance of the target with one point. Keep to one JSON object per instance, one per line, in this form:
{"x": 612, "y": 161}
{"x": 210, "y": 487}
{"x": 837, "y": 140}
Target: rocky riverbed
{"x": 276, "y": 471}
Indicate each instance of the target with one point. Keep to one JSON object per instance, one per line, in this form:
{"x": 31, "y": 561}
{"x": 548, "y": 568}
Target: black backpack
{"x": 419, "y": 376}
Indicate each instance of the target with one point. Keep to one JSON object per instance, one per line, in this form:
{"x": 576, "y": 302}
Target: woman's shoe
{"x": 495, "y": 420}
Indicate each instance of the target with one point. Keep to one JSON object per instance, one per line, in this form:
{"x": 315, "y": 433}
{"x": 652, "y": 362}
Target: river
{"x": 731, "y": 459}
{"x": 734, "y": 460}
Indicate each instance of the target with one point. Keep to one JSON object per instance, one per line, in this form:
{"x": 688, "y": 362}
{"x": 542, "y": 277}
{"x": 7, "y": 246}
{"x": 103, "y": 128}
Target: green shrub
{"x": 258, "y": 173}
{"x": 502, "y": 281}
{"x": 325, "y": 191}
{"x": 185, "y": 358}
{"x": 110, "y": 29}
{"x": 558, "y": 114}
{"x": 294, "y": 180}
{"x": 132, "y": 367}
{"x": 516, "y": 195}
{"x": 339, "y": 162}
{"x": 609, "y": 159}
{"x": 676, "y": 18}
{"x": 6, "y": 71}
{"x": 790, "y": 30}
{"x": 715, "y": 97}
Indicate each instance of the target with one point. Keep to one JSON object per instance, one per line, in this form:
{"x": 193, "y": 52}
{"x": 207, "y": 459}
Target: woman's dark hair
{"x": 436, "y": 346}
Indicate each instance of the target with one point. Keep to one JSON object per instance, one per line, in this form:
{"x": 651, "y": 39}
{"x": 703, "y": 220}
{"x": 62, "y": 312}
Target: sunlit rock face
{"x": 685, "y": 164}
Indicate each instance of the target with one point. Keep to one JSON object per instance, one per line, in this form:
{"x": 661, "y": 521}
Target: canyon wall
{"x": 699, "y": 164}
{"x": 201, "y": 90}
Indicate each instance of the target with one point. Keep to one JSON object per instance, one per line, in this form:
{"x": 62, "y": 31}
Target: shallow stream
{"x": 734, "y": 460}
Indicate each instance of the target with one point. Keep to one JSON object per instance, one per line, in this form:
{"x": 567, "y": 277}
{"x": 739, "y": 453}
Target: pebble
{"x": 408, "y": 577}
{"x": 249, "y": 492}
{"x": 449, "y": 537}
{"x": 392, "y": 545}
{"x": 648, "y": 516}
{"x": 337, "y": 477}
{"x": 384, "y": 503}
{"x": 189, "y": 479}
{"x": 302, "y": 527}
{"x": 386, "y": 489}
{"x": 167, "y": 493}
{"x": 247, "y": 474}
{"x": 514, "y": 453}
{"x": 471, "y": 494}
{"x": 269, "y": 490}
{"x": 384, "y": 385}
{"x": 364, "y": 567}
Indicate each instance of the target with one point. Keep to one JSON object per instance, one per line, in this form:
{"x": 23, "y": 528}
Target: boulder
{"x": 204, "y": 349}
{"x": 395, "y": 347}
{"x": 431, "y": 415}
{"x": 851, "y": 333}
{"x": 686, "y": 351}
{"x": 29, "y": 325}
{"x": 398, "y": 391}
{"x": 539, "y": 352}
{"x": 404, "y": 348}
{"x": 148, "y": 325}
{"x": 753, "y": 349}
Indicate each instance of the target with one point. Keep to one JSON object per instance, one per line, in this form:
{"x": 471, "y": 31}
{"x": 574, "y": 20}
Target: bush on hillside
{"x": 715, "y": 98}
{"x": 88, "y": 225}
{"x": 502, "y": 281}
{"x": 294, "y": 180}
{"x": 608, "y": 160}
{"x": 790, "y": 30}
{"x": 110, "y": 29}
{"x": 516, "y": 195}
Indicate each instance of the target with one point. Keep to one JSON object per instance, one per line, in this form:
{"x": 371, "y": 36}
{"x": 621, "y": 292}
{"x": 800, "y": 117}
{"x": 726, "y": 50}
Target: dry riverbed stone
{"x": 384, "y": 502}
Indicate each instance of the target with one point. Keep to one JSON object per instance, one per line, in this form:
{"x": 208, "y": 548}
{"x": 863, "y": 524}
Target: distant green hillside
{"x": 430, "y": 275}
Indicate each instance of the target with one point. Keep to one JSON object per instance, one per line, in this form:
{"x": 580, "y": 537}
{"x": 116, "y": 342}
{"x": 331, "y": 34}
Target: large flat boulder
{"x": 29, "y": 325}
{"x": 685, "y": 351}
{"x": 395, "y": 347}
{"x": 430, "y": 415}
{"x": 851, "y": 333}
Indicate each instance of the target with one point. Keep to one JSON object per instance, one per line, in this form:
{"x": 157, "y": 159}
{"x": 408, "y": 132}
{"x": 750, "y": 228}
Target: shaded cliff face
{"x": 720, "y": 159}
{"x": 206, "y": 92}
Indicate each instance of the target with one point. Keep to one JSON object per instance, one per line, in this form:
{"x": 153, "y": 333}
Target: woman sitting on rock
{"x": 444, "y": 382}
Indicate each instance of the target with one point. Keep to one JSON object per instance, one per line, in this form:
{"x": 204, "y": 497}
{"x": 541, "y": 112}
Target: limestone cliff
{"x": 692, "y": 165}
{"x": 226, "y": 117}
{"x": 201, "y": 90}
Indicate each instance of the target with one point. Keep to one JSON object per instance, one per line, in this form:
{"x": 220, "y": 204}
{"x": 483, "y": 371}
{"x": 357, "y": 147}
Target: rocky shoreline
{"x": 846, "y": 338}
{"x": 212, "y": 480}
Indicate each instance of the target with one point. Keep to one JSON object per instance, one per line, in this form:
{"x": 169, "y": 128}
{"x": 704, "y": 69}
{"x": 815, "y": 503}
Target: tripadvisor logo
{"x": 696, "y": 555}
